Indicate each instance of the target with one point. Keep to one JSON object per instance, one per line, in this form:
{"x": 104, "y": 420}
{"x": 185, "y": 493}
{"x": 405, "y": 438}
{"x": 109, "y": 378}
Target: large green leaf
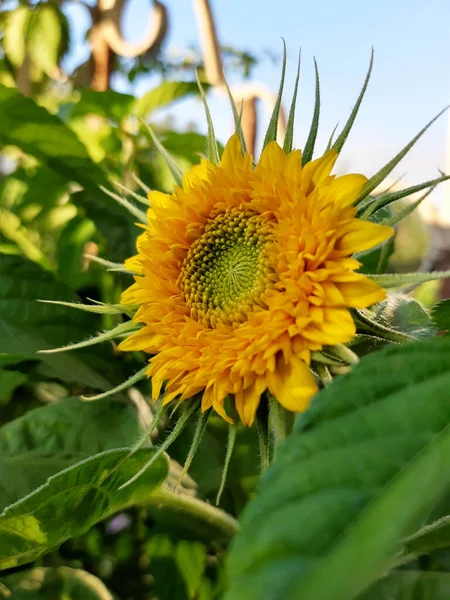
{"x": 73, "y": 500}
{"x": 164, "y": 94}
{"x": 48, "y": 439}
{"x": 27, "y": 326}
{"x": 108, "y": 104}
{"x": 72, "y": 425}
{"x": 14, "y": 34}
{"x": 410, "y": 585}
{"x": 23, "y": 473}
{"x": 45, "y": 33}
{"x": 9, "y": 381}
{"x": 70, "y": 250}
{"x": 37, "y": 132}
{"x": 114, "y": 222}
{"x": 55, "y": 583}
{"x": 362, "y": 468}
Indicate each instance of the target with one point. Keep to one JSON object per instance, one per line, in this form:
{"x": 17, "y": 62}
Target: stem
{"x": 276, "y": 421}
{"x": 199, "y": 509}
{"x": 263, "y": 439}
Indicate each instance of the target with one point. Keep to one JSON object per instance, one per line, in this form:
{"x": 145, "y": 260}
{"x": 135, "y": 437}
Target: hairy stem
{"x": 198, "y": 509}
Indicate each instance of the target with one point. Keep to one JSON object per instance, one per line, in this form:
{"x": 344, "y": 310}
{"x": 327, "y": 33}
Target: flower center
{"x": 227, "y": 270}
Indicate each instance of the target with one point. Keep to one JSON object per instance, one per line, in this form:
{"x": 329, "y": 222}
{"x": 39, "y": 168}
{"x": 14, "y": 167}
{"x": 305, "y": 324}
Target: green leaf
{"x": 177, "y": 567}
{"x": 271, "y": 133}
{"x": 308, "y": 150}
{"x": 23, "y": 473}
{"x": 361, "y": 471}
{"x": 440, "y": 315}
{"x": 164, "y": 94}
{"x": 339, "y": 143}
{"x": 37, "y": 132}
{"x": 114, "y": 222}
{"x": 394, "y": 280}
{"x": 27, "y": 326}
{"x": 188, "y": 145}
{"x": 58, "y": 582}
{"x": 9, "y": 381}
{"x": 70, "y": 250}
{"x": 410, "y": 585}
{"x": 72, "y": 501}
{"x": 44, "y": 37}
{"x": 109, "y": 104}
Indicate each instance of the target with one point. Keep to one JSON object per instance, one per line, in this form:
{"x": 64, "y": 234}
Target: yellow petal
{"x": 273, "y": 157}
{"x": 196, "y": 175}
{"x": 317, "y": 171}
{"x": 345, "y": 189}
{"x": 361, "y": 292}
{"x": 232, "y": 157}
{"x": 247, "y": 401}
{"x": 358, "y": 235}
{"x": 293, "y": 384}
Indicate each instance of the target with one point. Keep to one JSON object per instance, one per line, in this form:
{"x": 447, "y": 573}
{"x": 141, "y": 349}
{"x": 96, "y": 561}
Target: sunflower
{"x": 243, "y": 271}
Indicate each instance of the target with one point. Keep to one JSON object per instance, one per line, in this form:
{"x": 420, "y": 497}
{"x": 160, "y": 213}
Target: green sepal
{"x": 395, "y": 280}
{"x": 212, "y": 152}
{"x": 271, "y": 134}
{"x": 289, "y": 135}
{"x": 172, "y": 165}
{"x": 237, "y": 120}
{"x": 232, "y": 431}
{"x": 379, "y": 177}
{"x": 398, "y": 217}
{"x": 385, "y": 199}
{"x": 133, "y": 210}
{"x": 311, "y": 141}
{"x": 101, "y": 308}
{"x": 111, "y": 266}
{"x": 122, "y": 386}
{"x": 200, "y": 427}
{"x": 138, "y": 197}
{"x": 339, "y": 143}
{"x": 330, "y": 141}
{"x": 181, "y": 423}
{"x": 119, "y": 330}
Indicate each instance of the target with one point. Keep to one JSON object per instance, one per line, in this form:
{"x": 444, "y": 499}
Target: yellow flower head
{"x": 244, "y": 270}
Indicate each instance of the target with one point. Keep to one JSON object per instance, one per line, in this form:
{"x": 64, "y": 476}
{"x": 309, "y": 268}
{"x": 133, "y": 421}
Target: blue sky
{"x": 409, "y": 85}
